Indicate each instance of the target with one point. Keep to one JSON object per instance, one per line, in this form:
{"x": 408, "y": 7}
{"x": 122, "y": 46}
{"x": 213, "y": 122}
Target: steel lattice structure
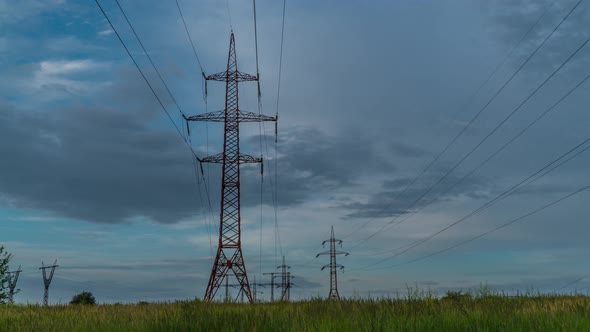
{"x": 285, "y": 281}
{"x": 229, "y": 258}
{"x": 12, "y": 280}
{"x": 47, "y": 280}
{"x": 333, "y": 265}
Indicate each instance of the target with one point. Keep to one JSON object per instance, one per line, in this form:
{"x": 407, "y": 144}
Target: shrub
{"x": 83, "y": 298}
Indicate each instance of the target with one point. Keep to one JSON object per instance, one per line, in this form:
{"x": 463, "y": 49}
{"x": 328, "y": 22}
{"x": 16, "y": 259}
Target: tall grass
{"x": 416, "y": 311}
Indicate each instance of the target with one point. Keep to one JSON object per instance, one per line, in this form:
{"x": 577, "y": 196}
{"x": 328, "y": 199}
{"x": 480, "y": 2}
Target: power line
{"x": 147, "y": 81}
{"x": 228, "y": 15}
{"x": 149, "y": 57}
{"x": 439, "y": 155}
{"x": 190, "y": 39}
{"x": 512, "y": 190}
{"x": 184, "y": 138}
{"x": 508, "y": 223}
{"x": 281, "y": 57}
{"x": 467, "y": 103}
{"x": 276, "y": 185}
{"x": 259, "y": 137}
{"x": 272, "y": 182}
{"x": 498, "y": 150}
{"x": 493, "y": 130}
{"x": 573, "y": 282}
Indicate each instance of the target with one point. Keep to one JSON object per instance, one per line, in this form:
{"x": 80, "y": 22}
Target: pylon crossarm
{"x": 243, "y": 159}
{"x": 322, "y": 254}
{"x": 219, "y": 116}
{"x": 232, "y": 76}
{"x": 336, "y": 252}
{"x": 253, "y": 117}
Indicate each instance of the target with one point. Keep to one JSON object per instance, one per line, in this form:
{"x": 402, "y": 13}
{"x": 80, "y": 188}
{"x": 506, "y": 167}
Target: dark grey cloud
{"x": 509, "y": 21}
{"x": 397, "y": 195}
{"x": 94, "y": 164}
{"x": 314, "y": 162}
{"x": 107, "y": 165}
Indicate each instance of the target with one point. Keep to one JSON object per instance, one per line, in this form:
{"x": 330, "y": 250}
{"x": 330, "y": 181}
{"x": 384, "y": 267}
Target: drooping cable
{"x": 460, "y": 110}
{"x": 548, "y": 168}
{"x": 514, "y": 138}
{"x": 190, "y": 39}
{"x": 493, "y": 130}
{"x": 508, "y": 223}
{"x": 146, "y": 80}
{"x": 276, "y": 186}
{"x": 259, "y": 134}
{"x": 573, "y": 282}
{"x": 149, "y": 58}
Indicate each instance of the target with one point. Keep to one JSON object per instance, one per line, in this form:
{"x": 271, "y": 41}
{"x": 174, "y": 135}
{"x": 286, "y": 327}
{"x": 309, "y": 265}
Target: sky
{"x": 94, "y": 174}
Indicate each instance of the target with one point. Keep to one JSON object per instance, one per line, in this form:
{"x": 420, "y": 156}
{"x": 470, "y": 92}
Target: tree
{"x": 83, "y": 298}
{"x": 4, "y": 277}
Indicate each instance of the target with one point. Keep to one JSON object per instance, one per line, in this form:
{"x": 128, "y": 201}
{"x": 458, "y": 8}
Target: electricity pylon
{"x": 271, "y": 284}
{"x": 285, "y": 281}
{"x": 47, "y": 280}
{"x": 255, "y": 292}
{"x": 229, "y": 256}
{"x": 333, "y": 265}
{"x": 12, "y": 280}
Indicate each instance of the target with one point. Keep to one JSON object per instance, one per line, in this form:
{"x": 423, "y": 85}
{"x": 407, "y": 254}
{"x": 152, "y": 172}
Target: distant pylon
{"x": 229, "y": 256}
{"x": 285, "y": 281}
{"x": 12, "y": 280}
{"x": 255, "y": 290}
{"x": 333, "y": 265}
{"x": 47, "y": 280}
{"x": 271, "y": 284}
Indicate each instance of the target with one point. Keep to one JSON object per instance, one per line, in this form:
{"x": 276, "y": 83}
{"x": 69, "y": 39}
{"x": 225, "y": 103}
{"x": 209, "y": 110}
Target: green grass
{"x": 456, "y": 312}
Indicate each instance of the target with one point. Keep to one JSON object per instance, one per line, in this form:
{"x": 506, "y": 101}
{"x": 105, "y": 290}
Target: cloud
{"x": 94, "y": 164}
{"x": 398, "y": 195}
{"x": 62, "y": 67}
{"x": 106, "y": 32}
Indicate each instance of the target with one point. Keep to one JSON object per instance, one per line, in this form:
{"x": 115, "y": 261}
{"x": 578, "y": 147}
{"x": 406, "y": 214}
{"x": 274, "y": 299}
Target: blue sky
{"x": 94, "y": 174}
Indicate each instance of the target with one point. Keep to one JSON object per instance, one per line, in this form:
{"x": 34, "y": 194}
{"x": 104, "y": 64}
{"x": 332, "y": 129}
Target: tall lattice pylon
{"x": 333, "y": 265}
{"x": 12, "y": 280}
{"x": 47, "y": 280}
{"x": 229, "y": 259}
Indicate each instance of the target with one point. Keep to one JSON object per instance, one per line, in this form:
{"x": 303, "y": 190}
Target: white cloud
{"x": 66, "y": 67}
{"x": 105, "y": 32}
{"x": 65, "y": 76}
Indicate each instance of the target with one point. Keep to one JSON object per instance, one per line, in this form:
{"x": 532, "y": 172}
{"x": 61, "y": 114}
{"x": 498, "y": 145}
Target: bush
{"x": 4, "y": 277}
{"x": 83, "y": 298}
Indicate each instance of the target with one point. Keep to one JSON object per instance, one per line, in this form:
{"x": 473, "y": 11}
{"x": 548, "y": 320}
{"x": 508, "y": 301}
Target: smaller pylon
{"x": 285, "y": 280}
{"x": 333, "y": 265}
{"x": 271, "y": 284}
{"x": 47, "y": 280}
{"x": 12, "y": 280}
{"x": 255, "y": 290}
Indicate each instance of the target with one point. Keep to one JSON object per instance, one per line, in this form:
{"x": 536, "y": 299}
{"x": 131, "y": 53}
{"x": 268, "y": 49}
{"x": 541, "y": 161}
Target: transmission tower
{"x": 229, "y": 258}
{"x": 271, "y": 284}
{"x": 285, "y": 281}
{"x": 333, "y": 265}
{"x": 255, "y": 292}
{"x": 47, "y": 280}
{"x": 12, "y": 280}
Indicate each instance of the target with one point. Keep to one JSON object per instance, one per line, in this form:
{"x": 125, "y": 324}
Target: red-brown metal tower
{"x": 333, "y": 265}
{"x": 229, "y": 258}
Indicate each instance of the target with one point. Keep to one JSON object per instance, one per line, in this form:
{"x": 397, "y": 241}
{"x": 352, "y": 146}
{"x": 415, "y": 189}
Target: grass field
{"x": 453, "y": 313}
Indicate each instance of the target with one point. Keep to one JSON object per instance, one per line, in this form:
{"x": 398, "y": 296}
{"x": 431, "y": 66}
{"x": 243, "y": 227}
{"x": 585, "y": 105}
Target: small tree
{"x": 4, "y": 278}
{"x": 83, "y": 298}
